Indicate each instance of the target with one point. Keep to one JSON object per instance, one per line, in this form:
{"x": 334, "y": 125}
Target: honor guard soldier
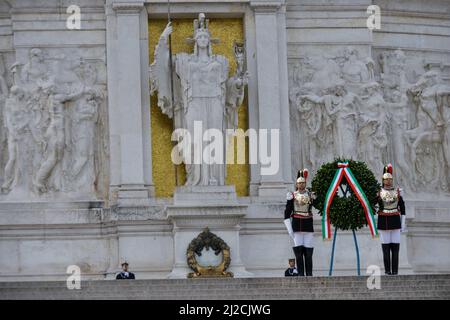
{"x": 299, "y": 223}
{"x": 391, "y": 220}
{"x": 125, "y": 274}
{"x": 292, "y": 270}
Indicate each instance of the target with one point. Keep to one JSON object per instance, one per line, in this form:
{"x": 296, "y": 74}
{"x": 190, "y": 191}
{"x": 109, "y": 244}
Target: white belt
{"x": 390, "y": 210}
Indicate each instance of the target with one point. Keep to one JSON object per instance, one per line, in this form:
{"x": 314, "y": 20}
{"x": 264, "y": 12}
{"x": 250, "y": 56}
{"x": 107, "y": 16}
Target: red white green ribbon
{"x": 344, "y": 170}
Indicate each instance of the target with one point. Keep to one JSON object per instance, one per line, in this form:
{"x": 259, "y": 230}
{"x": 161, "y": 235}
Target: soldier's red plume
{"x": 389, "y": 168}
{"x": 305, "y": 173}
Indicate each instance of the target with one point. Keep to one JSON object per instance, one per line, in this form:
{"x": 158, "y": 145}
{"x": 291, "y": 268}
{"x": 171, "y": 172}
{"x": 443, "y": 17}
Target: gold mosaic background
{"x": 227, "y": 30}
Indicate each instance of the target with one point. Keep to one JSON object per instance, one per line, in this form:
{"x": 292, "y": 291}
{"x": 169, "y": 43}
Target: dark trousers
{"x": 303, "y": 256}
{"x": 390, "y": 257}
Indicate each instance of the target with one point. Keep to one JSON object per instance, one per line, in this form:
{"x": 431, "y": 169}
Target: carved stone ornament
{"x": 207, "y": 240}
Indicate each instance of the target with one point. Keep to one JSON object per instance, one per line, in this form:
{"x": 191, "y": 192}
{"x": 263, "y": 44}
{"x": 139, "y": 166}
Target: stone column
{"x": 285, "y": 134}
{"x": 129, "y": 104}
{"x": 272, "y": 79}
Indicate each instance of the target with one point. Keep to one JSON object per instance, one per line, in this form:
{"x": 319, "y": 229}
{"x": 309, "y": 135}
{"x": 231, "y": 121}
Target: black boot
{"x": 386, "y": 258}
{"x": 308, "y": 261}
{"x": 298, "y": 251}
{"x": 395, "y": 248}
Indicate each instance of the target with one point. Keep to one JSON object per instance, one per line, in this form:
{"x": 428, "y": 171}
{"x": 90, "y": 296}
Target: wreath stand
{"x": 348, "y": 201}
{"x": 332, "y": 252}
{"x": 334, "y": 243}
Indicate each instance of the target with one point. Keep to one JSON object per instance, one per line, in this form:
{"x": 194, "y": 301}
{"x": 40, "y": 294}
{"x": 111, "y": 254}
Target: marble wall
{"x": 75, "y": 135}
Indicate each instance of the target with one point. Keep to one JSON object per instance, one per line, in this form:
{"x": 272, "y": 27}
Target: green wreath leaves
{"x": 346, "y": 213}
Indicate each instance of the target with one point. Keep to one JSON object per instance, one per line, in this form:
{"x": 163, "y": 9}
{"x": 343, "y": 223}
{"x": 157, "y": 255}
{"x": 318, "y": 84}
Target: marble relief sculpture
{"x": 430, "y": 96}
{"x": 329, "y": 88}
{"x": 344, "y": 109}
{"x": 51, "y": 116}
{"x": 4, "y": 91}
{"x": 374, "y": 128}
{"x": 202, "y": 91}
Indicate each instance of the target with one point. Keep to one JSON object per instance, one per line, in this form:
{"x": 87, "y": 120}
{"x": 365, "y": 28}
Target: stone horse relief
{"x": 341, "y": 109}
{"x": 51, "y": 116}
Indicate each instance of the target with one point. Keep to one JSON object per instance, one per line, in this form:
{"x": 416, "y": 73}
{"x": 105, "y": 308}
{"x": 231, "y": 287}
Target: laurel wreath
{"x": 346, "y": 213}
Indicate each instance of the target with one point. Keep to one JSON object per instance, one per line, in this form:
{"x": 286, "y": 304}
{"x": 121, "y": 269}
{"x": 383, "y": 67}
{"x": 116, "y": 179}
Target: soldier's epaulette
{"x": 289, "y": 196}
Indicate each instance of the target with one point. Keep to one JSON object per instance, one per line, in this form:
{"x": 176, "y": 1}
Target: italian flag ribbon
{"x": 344, "y": 170}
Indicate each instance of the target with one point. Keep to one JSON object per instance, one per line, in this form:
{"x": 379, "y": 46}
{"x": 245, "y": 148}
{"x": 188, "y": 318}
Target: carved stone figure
{"x": 326, "y": 72}
{"x": 3, "y": 82}
{"x": 355, "y": 71}
{"x": 85, "y": 116}
{"x": 35, "y": 72}
{"x": 235, "y": 89}
{"x": 51, "y": 120}
{"x": 16, "y": 123}
{"x": 54, "y": 142}
{"x": 431, "y": 98}
{"x": 343, "y": 108}
{"x": 312, "y": 125}
{"x": 393, "y": 75}
{"x": 394, "y": 84}
{"x": 3, "y": 96}
{"x": 374, "y": 128}
{"x": 202, "y": 91}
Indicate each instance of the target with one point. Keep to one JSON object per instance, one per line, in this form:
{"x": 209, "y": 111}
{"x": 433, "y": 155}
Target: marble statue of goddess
{"x": 201, "y": 91}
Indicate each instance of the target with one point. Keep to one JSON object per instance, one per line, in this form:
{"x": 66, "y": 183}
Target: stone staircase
{"x": 342, "y": 287}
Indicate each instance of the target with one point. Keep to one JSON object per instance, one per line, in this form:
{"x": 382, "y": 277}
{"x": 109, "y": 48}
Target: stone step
{"x": 355, "y": 288}
{"x": 194, "y": 296}
{"x": 251, "y": 282}
{"x": 170, "y": 291}
{"x": 395, "y": 287}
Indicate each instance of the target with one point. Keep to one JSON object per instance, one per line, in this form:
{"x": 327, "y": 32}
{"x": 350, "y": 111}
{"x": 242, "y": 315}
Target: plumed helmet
{"x": 387, "y": 172}
{"x": 302, "y": 175}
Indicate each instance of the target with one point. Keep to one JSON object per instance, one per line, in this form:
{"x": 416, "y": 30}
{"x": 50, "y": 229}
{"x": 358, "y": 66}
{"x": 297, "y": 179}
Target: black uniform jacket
{"x": 291, "y": 272}
{"x": 123, "y": 276}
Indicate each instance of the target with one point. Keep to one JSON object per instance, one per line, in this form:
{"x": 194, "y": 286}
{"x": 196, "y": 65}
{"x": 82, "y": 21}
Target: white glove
{"x": 288, "y": 224}
{"x": 403, "y": 229}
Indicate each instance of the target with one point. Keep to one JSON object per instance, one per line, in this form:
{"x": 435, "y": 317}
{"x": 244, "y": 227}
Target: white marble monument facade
{"x": 76, "y": 155}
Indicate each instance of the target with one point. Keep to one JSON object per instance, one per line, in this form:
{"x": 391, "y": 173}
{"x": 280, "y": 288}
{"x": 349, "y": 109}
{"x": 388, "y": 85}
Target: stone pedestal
{"x": 428, "y": 236}
{"x": 195, "y": 208}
